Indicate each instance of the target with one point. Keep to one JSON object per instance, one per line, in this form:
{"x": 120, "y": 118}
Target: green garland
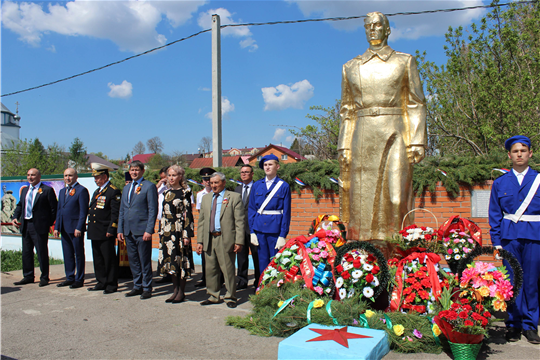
{"x": 506, "y": 255}
{"x": 384, "y": 276}
{"x": 261, "y": 321}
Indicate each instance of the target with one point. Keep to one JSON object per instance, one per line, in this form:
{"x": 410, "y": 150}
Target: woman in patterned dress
{"x": 176, "y": 231}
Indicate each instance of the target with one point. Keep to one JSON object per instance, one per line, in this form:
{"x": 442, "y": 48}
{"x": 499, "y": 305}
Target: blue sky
{"x": 271, "y": 75}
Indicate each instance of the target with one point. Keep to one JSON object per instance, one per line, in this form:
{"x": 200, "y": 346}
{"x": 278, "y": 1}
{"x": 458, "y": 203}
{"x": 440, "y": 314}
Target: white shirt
{"x": 269, "y": 182}
{"x": 520, "y": 175}
{"x": 200, "y": 195}
{"x": 103, "y": 187}
{"x": 160, "y": 192}
{"x": 34, "y": 193}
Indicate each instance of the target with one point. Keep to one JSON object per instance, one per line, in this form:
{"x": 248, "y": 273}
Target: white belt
{"x": 532, "y": 218}
{"x": 271, "y": 212}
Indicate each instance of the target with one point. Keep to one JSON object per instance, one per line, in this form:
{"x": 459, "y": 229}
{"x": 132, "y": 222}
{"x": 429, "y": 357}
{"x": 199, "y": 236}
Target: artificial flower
{"x": 318, "y": 290}
{"x": 368, "y": 292}
{"x": 436, "y": 330}
{"x": 368, "y": 267}
{"x": 357, "y": 274}
{"x": 339, "y": 282}
{"x": 417, "y": 333}
{"x": 351, "y": 293}
{"x": 342, "y": 293}
{"x": 279, "y": 304}
{"x": 318, "y": 303}
{"x": 369, "y": 313}
{"x": 398, "y": 329}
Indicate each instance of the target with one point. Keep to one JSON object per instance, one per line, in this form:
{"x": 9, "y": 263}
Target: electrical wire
{"x": 269, "y": 23}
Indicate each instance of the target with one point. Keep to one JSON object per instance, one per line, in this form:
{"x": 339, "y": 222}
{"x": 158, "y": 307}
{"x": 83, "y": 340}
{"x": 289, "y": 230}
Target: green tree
{"x": 15, "y": 158}
{"x": 37, "y": 156}
{"x": 489, "y": 88}
{"x": 56, "y": 159}
{"x": 321, "y": 139}
{"x": 77, "y": 153}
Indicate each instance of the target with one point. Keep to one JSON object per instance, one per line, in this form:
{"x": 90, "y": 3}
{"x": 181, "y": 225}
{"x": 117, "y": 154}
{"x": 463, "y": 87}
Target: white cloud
{"x": 408, "y": 27}
{"x": 282, "y": 96}
{"x": 289, "y": 139}
{"x": 226, "y": 107}
{"x": 205, "y": 22}
{"x": 51, "y": 48}
{"x": 129, "y": 24}
{"x": 201, "y": 88}
{"x": 278, "y": 134}
{"x": 124, "y": 90}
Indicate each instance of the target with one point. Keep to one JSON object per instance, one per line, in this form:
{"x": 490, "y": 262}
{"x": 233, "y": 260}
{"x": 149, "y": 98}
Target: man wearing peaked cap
{"x": 514, "y": 217}
{"x": 269, "y": 211}
{"x": 102, "y": 229}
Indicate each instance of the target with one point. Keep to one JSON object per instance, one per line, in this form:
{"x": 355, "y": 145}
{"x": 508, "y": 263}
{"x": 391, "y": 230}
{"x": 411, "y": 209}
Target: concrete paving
{"x": 63, "y": 323}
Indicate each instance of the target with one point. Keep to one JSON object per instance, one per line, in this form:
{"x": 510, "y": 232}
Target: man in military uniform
{"x": 102, "y": 229}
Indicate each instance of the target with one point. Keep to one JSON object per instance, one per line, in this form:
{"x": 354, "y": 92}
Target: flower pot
{"x": 465, "y": 351}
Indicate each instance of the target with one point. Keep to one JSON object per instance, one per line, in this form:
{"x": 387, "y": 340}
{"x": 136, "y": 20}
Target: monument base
{"x": 373, "y": 346}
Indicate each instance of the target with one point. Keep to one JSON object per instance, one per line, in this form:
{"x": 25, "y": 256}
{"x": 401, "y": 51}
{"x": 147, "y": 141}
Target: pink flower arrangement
{"x": 458, "y": 244}
{"x": 487, "y": 284}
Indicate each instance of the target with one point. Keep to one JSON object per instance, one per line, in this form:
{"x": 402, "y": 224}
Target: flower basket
{"x": 465, "y": 351}
{"x": 459, "y": 236}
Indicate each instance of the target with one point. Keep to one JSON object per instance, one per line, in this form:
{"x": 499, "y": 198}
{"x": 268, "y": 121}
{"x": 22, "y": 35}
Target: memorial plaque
{"x": 480, "y": 203}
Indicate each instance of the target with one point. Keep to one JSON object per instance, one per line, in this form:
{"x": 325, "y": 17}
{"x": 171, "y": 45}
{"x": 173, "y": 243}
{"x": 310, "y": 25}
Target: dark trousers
{"x": 105, "y": 263}
{"x": 30, "y": 240}
{"x": 73, "y": 250}
{"x": 267, "y": 248}
{"x": 523, "y": 314}
{"x": 140, "y": 261}
{"x": 243, "y": 262}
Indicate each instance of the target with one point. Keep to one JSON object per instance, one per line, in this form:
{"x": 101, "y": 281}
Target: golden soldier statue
{"x": 382, "y": 134}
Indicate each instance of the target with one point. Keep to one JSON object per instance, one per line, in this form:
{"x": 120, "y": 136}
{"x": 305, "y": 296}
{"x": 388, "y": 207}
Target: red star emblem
{"x": 338, "y": 335}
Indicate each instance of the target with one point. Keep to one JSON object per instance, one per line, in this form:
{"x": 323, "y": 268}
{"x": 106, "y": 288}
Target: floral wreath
{"x": 503, "y": 254}
{"x": 384, "y": 274}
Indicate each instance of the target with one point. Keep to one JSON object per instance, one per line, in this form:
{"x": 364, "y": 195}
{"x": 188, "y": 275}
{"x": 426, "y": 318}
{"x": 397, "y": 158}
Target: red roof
{"x": 282, "y": 149}
{"x": 144, "y": 158}
{"x": 227, "y": 161}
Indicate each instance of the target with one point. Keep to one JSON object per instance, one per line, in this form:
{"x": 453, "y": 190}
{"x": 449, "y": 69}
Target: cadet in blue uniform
{"x": 514, "y": 217}
{"x": 269, "y": 211}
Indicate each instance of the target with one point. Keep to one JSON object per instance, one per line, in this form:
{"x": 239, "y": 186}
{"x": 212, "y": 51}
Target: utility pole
{"x": 216, "y": 91}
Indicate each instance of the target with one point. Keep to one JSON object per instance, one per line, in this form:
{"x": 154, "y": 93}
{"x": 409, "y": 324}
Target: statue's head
{"x": 377, "y": 28}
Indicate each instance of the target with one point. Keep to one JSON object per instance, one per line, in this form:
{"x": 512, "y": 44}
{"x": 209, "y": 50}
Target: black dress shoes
{"x": 532, "y": 336}
{"x": 24, "y": 281}
{"x": 231, "y": 304}
{"x": 513, "y": 334}
{"x": 65, "y": 283}
{"x": 241, "y": 286}
{"x": 43, "y": 283}
{"x": 76, "y": 285}
{"x": 96, "y": 288}
{"x": 107, "y": 291}
{"x": 146, "y": 295}
{"x": 208, "y": 302}
{"x": 134, "y": 292}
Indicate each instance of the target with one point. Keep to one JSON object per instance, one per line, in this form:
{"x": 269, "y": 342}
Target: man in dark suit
{"x": 138, "y": 212}
{"x": 71, "y": 224}
{"x": 246, "y": 175}
{"x": 220, "y": 233}
{"x": 37, "y": 211}
{"x": 102, "y": 225}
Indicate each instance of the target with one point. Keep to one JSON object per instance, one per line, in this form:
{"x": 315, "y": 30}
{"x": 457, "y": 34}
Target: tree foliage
{"x": 155, "y": 145}
{"x": 205, "y": 145}
{"x": 490, "y": 86}
{"x": 320, "y": 139}
{"x": 77, "y": 153}
{"x": 27, "y": 154}
{"x": 138, "y": 149}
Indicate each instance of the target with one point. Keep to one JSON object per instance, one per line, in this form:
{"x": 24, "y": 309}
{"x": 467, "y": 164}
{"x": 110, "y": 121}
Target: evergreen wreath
{"x": 384, "y": 276}
{"x": 504, "y": 254}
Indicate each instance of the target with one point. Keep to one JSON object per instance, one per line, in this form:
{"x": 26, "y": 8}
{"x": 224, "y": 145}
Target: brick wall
{"x": 440, "y": 203}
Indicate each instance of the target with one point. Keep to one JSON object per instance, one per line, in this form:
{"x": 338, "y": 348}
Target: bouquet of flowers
{"x": 483, "y": 283}
{"x": 321, "y": 254}
{"x": 414, "y": 236}
{"x": 464, "y": 319}
{"x": 357, "y": 273}
{"x": 287, "y": 261}
{"x": 457, "y": 244}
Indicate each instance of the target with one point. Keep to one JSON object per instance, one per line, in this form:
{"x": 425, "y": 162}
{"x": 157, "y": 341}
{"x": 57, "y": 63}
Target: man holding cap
{"x": 102, "y": 229}
{"x": 269, "y": 211}
{"x": 514, "y": 217}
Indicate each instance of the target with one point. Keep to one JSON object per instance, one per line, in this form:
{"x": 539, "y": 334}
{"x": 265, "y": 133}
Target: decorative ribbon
{"x": 329, "y": 311}
{"x": 431, "y": 260}
{"x": 292, "y": 273}
{"x": 310, "y": 306}
{"x": 363, "y": 321}
{"x": 283, "y": 306}
{"x": 461, "y": 224}
{"x": 388, "y": 322}
{"x": 437, "y": 341}
{"x": 318, "y": 273}
{"x": 312, "y": 241}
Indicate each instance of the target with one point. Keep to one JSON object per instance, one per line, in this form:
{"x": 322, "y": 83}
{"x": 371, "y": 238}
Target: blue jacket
{"x": 138, "y": 215}
{"x": 271, "y": 224}
{"x": 506, "y": 197}
{"x": 72, "y": 209}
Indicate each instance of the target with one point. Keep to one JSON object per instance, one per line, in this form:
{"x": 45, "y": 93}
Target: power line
{"x": 269, "y": 23}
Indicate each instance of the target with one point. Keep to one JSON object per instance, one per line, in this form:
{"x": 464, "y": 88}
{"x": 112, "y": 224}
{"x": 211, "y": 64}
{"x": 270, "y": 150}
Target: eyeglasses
{"x": 245, "y": 172}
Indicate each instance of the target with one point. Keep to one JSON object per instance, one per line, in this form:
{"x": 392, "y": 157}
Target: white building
{"x": 10, "y": 128}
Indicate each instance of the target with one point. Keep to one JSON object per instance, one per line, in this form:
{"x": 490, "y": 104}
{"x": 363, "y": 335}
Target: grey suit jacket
{"x": 138, "y": 215}
{"x": 232, "y": 219}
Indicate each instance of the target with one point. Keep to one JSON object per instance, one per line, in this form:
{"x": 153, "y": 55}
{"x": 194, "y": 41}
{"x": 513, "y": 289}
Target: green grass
{"x": 12, "y": 260}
